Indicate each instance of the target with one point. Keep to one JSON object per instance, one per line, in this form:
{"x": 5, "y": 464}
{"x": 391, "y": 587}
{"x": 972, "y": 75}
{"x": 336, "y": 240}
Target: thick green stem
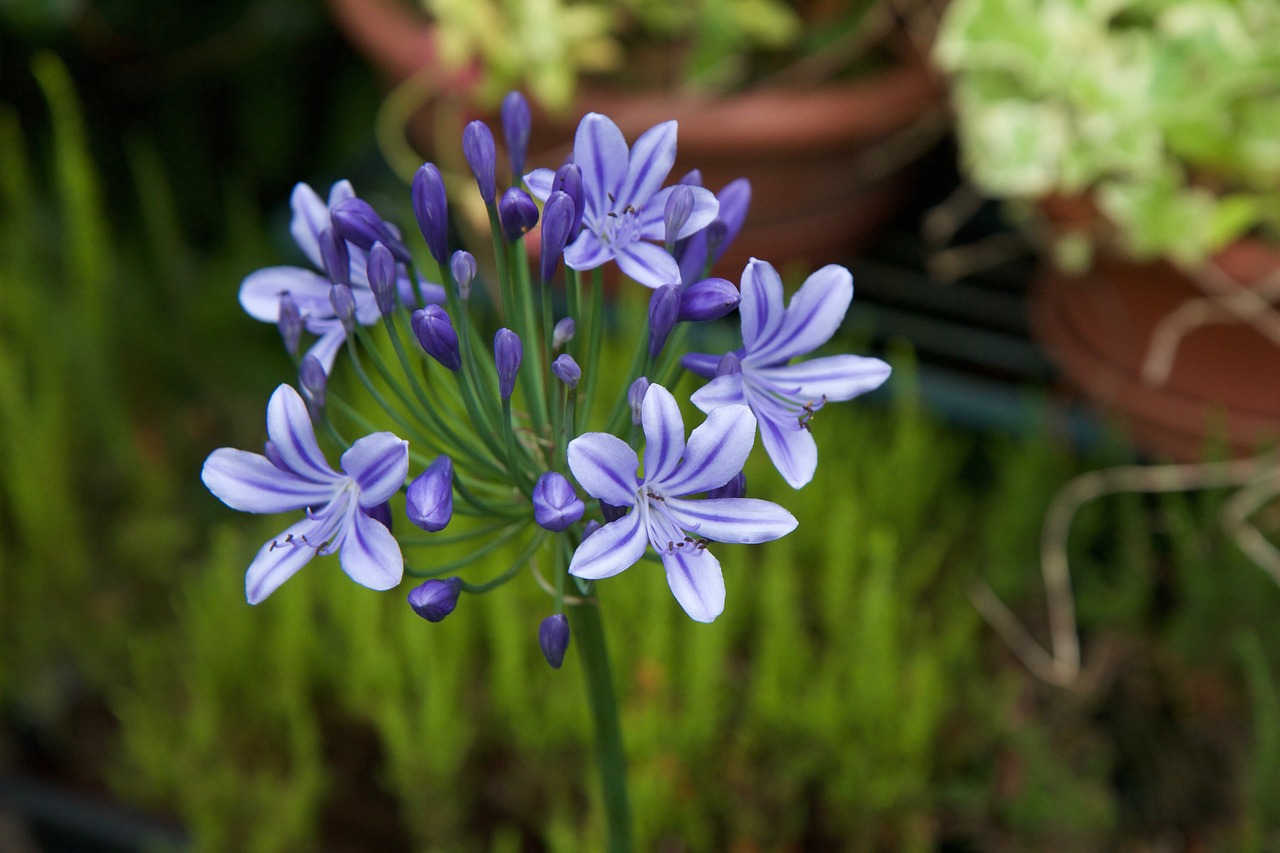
{"x": 588, "y": 636}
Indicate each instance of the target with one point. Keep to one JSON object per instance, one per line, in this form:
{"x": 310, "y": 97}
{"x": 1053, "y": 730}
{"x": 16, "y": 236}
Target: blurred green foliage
{"x": 850, "y": 698}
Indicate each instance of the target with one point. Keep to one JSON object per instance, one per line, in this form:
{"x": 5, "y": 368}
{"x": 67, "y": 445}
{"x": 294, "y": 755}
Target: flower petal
{"x": 647, "y": 264}
{"x": 310, "y": 216}
{"x": 703, "y": 364}
{"x": 650, "y": 161}
{"x": 379, "y": 464}
{"x": 540, "y": 182}
{"x": 611, "y": 549}
{"x": 790, "y": 446}
{"x": 721, "y": 391}
{"x": 716, "y": 452}
{"x": 742, "y": 520}
{"x": 761, "y": 305}
{"x": 290, "y": 430}
{"x": 326, "y": 347}
{"x": 605, "y": 466}
{"x": 653, "y": 227}
{"x": 370, "y": 555}
{"x": 601, "y": 150}
{"x": 279, "y": 560}
{"x": 814, "y": 315}
{"x": 250, "y": 483}
{"x": 837, "y": 377}
{"x": 260, "y": 293}
{"x": 696, "y": 581}
{"x": 663, "y": 434}
{"x": 587, "y": 252}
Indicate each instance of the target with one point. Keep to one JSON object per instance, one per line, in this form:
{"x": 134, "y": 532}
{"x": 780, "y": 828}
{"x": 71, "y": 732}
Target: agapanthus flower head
{"x": 434, "y": 599}
{"x": 436, "y": 335}
{"x": 624, "y": 203}
{"x": 555, "y": 504}
{"x": 553, "y": 637}
{"x": 431, "y": 209}
{"x": 463, "y": 266}
{"x": 785, "y": 396}
{"x": 517, "y": 213}
{"x": 563, "y": 332}
{"x": 566, "y": 369}
{"x": 662, "y": 512}
{"x": 429, "y": 498}
{"x": 708, "y": 299}
{"x": 355, "y": 221}
{"x": 508, "y": 352}
{"x": 664, "y": 310}
{"x": 299, "y": 477}
{"x": 381, "y": 272}
{"x": 516, "y": 126}
{"x": 482, "y": 156}
{"x": 290, "y": 322}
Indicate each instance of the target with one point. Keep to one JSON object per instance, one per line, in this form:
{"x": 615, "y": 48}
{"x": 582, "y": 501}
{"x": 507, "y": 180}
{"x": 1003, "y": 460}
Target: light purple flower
{"x": 623, "y": 200}
{"x": 661, "y": 513}
{"x": 784, "y": 397}
{"x": 261, "y": 290}
{"x": 295, "y": 475}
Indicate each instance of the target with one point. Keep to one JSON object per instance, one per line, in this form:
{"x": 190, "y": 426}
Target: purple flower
{"x": 624, "y": 206}
{"x": 290, "y": 322}
{"x": 553, "y": 636}
{"x": 357, "y": 222}
{"x": 784, "y": 397}
{"x": 435, "y": 599}
{"x": 508, "y": 352}
{"x": 566, "y": 369}
{"x": 482, "y": 157}
{"x": 436, "y": 335}
{"x": 555, "y": 504}
{"x": 429, "y": 498}
{"x": 557, "y": 218}
{"x": 463, "y": 266}
{"x": 431, "y": 209}
{"x": 661, "y": 513}
{"x": 563, "y": 332}
{"x": 664, "y": 309}
{"x": 295, "y": 475}
{"x": 261, "y": 290}
{"x": 708, "y": 299}
{"x": 516, "y": 213}
{"x": 516, "y": 125}
{"x": 381, "y": 272}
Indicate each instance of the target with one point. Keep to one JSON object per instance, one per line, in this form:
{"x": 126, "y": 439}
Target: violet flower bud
{"x": 708, "y": 299}
{"x": 635, "y": 396}
{"x": 508, "y": 352}
{"x": 729, "y": 364}
{"x": 566, "y": 370}
{"x": 380, "y": 269}
{"x": 344, "y": 306}
{"x": 568, "y": 180}
{"x": 463, "y": 265}
{"x": 735, "y": 488}
{"x": 357, "y": 222}
{"x": 435, "y": 333}
{"x": 334, "y": 256}
{"x": 431, "y": 209}
{"x": 516, "y": 125}
{"x": 290, "y": 322}
{"x": 557, "y": 218}
{"x": 563, "y": 332}
{"x": 380, "y": 513}
{"x": 664, "y": 310}
{"x": 590, "y": 527}
{"x": 312, "y": 378}
{"x": 553, "y": 636}
{"x": 435, "y": 599}
{"x": 555, "y": 504}
{"x": 482, "y": 157}
{"x": 517, "y": 213}
{"x": 677, "y": 212}
{"x": 429, "y": 498}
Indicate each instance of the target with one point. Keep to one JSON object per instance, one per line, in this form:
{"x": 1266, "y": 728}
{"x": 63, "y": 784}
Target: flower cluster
{"x": 515, "y": 421}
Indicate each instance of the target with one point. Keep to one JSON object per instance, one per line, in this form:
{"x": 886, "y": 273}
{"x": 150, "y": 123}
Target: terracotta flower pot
{"x": 825, "y": 163}
{"x": 1224, "y": 378}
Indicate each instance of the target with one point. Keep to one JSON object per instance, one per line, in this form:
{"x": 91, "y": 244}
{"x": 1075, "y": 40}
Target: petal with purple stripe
{"x": 248, "y": 482}
{"x": 790, "y": 446}
{"x": 761, "y": 305}
{"x": 697, "y": 582}
{"x": 601, "y": 150}
{"x": 745, "y": 521}
{"x": 540, "y": 182}
{"x": 611, "y": 549}
{"x": 650, "y": 161}
{"x": 310, "y": 216}
{"x": 260, "y": 292}
{"x": 722, "y": 391}
{"x": 289, "y": 428}
{"x": 605, "y": 466}
{"x": 716, "y": 452}
{"x": 814, "y": 315}
{"x": 587, "y": 252}
{"x": 652, "y": 226}
{"x": 370, "y": 555}
{"x": 647, "y": 264}
{"x": 836, "y": 377}
{"x": 279, "y": 560}
{"x": 379, "y": 464}
{"x": 703, "y": 364}
{"x": 663, "y": 433}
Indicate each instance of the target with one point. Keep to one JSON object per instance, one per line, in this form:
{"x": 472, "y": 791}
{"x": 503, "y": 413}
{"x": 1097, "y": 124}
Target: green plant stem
{"x": 588, "y": 636}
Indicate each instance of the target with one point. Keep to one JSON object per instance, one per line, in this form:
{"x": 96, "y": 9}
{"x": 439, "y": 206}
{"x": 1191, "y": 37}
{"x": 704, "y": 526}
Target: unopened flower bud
{"x": 735, "y": 488}
{"x": 677, "y": 212}
{"x": 429, "y": 498}
{"x": 517, "y": 213}
{"x": 463, "y": 264}
{"x": 357, "y": 222}
{"x": 380, "y": 269}
{"x": 435, "y": 599}
{"x": 708, "y": 299}
{"x": 334, "y": 256}
{"x": 508, "y": 352}
{"x": 635, "y": 396}
{"x": 516, "y": 125}
{"x": 482, "y": 157}
{"x": 555, "y": 504}
{"x": 435, "y": 333}
{"x": 343, "y": 302}
{"x": 557, "y": 219}
{"x": 553, "y": 636}
{"x": 664, "y": 310}
{"x": 290, "y": 322}
{"x": 431, "y": 209}
{"x": 314, "y": 382}
{"x": 590, "y": 527}
{"x": 569, "y": 181}
{"x": 729, "y": 365}
{"x": 563, "y": 332}
{"x": 566, "y": 369}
